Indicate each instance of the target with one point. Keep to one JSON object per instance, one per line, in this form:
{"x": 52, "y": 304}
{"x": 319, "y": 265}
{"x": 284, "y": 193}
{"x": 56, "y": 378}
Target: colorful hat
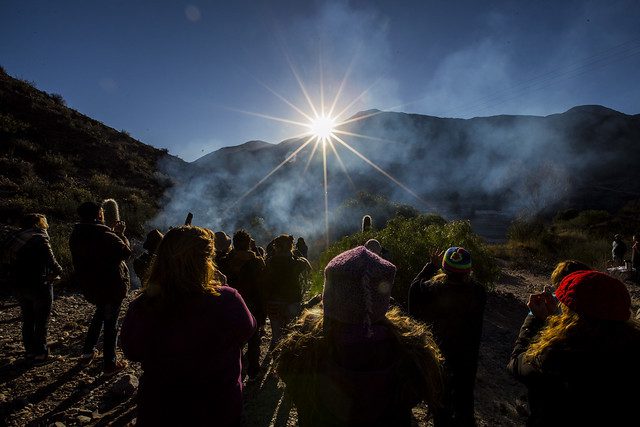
{"x": 596, "y": 295}
{"x": 357, "y": 287}
{"x": 456, "y": 260}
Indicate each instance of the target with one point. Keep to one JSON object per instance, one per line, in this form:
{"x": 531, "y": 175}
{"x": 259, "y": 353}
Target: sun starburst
{"x": 322, "y": 129}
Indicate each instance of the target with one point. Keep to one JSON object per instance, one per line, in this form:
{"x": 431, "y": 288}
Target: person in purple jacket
{"x": 188, "y": 330}
{"x": 356, "y": 362}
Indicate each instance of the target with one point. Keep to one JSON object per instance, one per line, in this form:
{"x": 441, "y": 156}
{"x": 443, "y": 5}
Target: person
{"x": 354, "y": 362}
{"x": 618, "y": 250}
{"x": 284, "y": 272}
{"x": 302, "y": 248}
{"x": 142, "y": 263}
{"x": 99, "y": 254}
{"x": 245, "y": 271}
{"x": 578, "y": 359}
{"x": 564, "y": 268}
{"x": 635, "y": 258}
{"x": 187, "y": 330}
{"x": 366, "y": 223}
{"x": 34, "y": 268}
{"x": 452, "y": 303}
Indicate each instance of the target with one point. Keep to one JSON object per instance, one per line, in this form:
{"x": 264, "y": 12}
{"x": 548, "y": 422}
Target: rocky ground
{"x": 63, "y": 393}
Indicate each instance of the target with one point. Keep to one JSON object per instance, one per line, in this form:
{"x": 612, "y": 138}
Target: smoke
{"x": 511, "y": 164}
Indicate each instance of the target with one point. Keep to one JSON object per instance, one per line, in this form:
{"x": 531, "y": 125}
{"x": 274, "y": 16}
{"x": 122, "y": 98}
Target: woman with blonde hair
{"x": 34, "y": 268}
{"x": 355, "y": 362}
{"x": 576, "y": 359}
{"x": 188, "y": 330}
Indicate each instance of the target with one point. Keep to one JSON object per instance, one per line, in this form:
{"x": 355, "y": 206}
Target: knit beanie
{"x": 596, "y": 295}
{"x": 357, "y": 287}
{"x": 456, "y": 260}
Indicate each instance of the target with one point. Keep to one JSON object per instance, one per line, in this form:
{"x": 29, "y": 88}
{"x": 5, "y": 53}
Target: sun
{"x": 322, "y": 127}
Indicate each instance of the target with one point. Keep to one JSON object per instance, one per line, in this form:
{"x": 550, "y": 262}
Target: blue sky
{"x": 177, "y": 74}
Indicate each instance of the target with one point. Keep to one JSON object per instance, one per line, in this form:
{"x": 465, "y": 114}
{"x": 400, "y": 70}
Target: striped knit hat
{"x": 456, "y": 260}
{"x": 357, "y": 286}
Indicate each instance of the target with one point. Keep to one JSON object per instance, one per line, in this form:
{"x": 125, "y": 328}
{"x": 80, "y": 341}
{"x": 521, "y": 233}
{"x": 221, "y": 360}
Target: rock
{"x": 57, "y": 424}
{"x": 125, "y": 386}
{"x": 83, "y": 419}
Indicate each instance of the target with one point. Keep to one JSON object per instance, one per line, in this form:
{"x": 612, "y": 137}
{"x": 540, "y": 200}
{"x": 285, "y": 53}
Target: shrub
{"x": 58, "y": 99}
{"x": 410, "y": 241}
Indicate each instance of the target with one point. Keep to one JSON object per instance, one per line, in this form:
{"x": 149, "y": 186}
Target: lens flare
{"x": 322, "y": 127}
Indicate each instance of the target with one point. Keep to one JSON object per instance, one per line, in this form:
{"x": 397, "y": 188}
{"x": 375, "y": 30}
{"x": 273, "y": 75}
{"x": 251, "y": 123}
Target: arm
{"x": 517, "y": 366}
{"x": 46, "y": 255}
{"x": 133, "y": 332}
{"x": 239, "y": 315}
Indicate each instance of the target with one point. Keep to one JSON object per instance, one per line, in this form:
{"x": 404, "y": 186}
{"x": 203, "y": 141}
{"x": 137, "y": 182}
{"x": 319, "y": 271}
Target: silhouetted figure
{"x": 452, "y": 303}
{"x": 99, "y": 254}
{"x": 618, "y": 250}
{"x": 302, "y": 248}
{"x": 223, "y": 247}
{"x": 366, "y": 223}
{"x": 284, "y": 285}
{"x": 187, "y": 330}
{"x": 579, "y": 358}
{"x": 354, "y": 363}
{"x": 374, "y": 246}
{"x": 34, "y": 268}
{"x": 142, "y": 264}
{"x": 245, "y": 272}
{"x": 111, "y": 212}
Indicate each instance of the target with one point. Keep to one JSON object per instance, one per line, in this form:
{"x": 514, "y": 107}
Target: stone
{"x": 125, "y": 386}
{"x": 83, "y": 419}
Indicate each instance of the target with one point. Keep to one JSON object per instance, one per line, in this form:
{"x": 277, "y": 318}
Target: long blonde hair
{"x": 299, "y": 355}
{"x": 183, "y": 266}
{"x": 569, "y": 327}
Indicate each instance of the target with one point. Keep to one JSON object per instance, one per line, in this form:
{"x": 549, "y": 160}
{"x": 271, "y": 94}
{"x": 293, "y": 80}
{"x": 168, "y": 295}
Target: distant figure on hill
{"x": 578, "y": 359}
{"x": 452, "y": 303}
{"x": 354, "y": 363}
{"x": 142, "y": 264}
{"x": 366, "y": 223}
{"x": 99, "y": 254}
{"x": 34, "y": 268}
{"x": 245, "y": 272}
{"x": 188, "y": 331}
{"x": 302, "y": 248}
{"x": 284, "y": 285}
{"x": 618, "y": 250}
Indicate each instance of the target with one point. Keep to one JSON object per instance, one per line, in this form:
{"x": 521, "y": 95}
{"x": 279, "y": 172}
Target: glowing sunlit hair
{"x": 569, "y": 325}
{"x": 111, "y": 212}
{"x": 564, "y": 268}
{"x": 183, "y": 266}
{"x": 34, "y": 220}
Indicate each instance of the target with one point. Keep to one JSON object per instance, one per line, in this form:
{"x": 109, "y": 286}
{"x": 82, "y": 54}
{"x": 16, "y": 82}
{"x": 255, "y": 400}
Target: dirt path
{"x": 64, "y": 392}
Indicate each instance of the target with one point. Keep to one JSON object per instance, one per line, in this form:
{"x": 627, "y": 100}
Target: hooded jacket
{"x": 99, "y": 257}
{"x": 33, "y": 258}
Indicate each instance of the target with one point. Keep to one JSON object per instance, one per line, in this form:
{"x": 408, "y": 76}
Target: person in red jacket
{"x": 188, "y": 331}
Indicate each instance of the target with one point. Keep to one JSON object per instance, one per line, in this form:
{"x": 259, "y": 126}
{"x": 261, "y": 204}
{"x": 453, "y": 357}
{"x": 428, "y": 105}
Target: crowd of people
{"x": 352, "y": 357}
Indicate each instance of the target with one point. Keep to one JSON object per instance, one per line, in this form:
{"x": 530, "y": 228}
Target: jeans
{"x": 107, "y": 315}
{"x": 35, "y": 305}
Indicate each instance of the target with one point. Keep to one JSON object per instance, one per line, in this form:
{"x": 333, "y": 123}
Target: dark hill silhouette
{"x": 52, "y": 158}
{"x": 583, "y": 158}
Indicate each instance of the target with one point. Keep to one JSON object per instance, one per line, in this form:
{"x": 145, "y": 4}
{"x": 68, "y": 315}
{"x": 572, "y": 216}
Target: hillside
{"x": 507, "y": 165}
{"x": 52, "y": 158}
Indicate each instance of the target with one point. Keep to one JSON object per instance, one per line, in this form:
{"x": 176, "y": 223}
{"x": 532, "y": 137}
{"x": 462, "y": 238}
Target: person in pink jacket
{"x": 188, "y": 330}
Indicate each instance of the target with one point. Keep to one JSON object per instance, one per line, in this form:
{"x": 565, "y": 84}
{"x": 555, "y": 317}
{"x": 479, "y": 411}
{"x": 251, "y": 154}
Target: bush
{"x": 58, "y": 99}
{"x": 409, "y": 242}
